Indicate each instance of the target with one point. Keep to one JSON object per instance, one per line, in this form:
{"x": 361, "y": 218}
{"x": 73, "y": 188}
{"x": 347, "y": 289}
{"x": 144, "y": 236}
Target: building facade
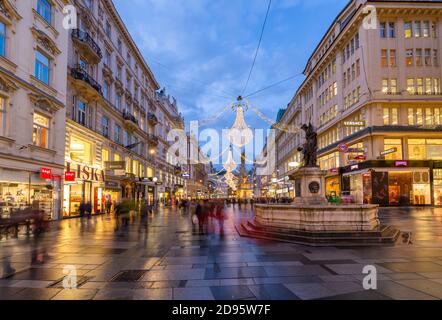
{"x": 111, "y": 113}
{"x": 33, "y": 63}
{"x": 374, "y": 95}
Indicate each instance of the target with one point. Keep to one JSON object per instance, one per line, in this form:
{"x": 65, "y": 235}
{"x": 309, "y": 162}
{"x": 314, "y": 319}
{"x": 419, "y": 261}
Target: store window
{"x": 395, "y": 146}
{"x": 437, "y": 182}
{"x": 2, "y": 116}
{"x": 80, "y": 151}
{"x": 40, "y": 134}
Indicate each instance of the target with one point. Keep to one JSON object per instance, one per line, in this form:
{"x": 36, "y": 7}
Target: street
{"x": 167, "y": 259}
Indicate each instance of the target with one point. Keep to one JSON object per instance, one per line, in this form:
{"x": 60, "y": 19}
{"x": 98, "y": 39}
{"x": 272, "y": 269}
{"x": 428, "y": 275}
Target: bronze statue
{"x": 310, "y": 147}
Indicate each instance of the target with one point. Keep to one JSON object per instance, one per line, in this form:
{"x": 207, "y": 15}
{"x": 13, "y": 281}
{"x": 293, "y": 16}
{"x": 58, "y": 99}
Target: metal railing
{"x": 80, "y": 74}
{"x": 86, "y": 38}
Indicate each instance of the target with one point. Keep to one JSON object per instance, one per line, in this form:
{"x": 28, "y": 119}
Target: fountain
{"x": 311, "y": 220}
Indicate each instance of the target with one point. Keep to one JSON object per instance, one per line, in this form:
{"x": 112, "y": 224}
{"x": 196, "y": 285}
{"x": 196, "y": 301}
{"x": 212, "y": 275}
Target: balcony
{"x": 130, "y": 121}
{"x": 153, "y": 120}
{"x": 87, "y": 86}
{"x": 88, "y": 47}
{"x": 153, "y": 140}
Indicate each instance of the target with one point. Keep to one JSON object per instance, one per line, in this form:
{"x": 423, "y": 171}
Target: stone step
{"x": 387, "y": 236}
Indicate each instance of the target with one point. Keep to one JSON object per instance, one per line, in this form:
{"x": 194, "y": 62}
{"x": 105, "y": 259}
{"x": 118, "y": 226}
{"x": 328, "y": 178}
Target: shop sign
{"x": 334, "y": 170}
{"x": 115, "y": 165}
{"x": 355, "y": 150}
{"x": 69, "y": 176}
{"x": 355, "y": 167}
{"x": 354, "y": 123}
{"x": 111, "y": 185}
{"x": 45, "y": 173}
{"x": 343, "y": 147}
{"x": 86, "y": 173}
{"x": 392, "y": 150}
{"x": 360, "y": 158}
{"x": 401, "y": 163}
{"x": 185, "y": 175}
{"x": 150, "y": 189}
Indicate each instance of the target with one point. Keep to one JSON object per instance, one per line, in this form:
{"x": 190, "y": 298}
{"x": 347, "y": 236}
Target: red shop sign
{"x": 69, "y": 176}
{"x": 45, "y": 173}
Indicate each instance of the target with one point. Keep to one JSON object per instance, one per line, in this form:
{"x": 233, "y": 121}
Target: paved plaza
{"x": 166, "y": 258}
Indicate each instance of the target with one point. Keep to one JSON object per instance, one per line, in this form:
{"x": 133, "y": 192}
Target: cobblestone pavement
{"x": 167, "y": 259}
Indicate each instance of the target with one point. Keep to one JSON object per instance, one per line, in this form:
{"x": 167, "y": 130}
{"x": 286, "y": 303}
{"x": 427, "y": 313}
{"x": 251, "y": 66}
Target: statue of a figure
{"x": 310, "y": 147}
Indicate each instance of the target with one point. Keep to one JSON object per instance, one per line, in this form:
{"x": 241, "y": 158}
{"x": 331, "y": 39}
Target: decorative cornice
{"x": 44, "y": 40}
{"x": 9, "y": 10}
{"x": 7, "y": 85}
{"x": 44, "y": 103}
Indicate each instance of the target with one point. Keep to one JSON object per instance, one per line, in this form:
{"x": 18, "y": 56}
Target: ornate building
{"x": 33, "y": 64}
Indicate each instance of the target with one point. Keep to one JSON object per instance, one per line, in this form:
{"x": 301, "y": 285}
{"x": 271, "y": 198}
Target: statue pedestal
{"x": 309, "y": 186}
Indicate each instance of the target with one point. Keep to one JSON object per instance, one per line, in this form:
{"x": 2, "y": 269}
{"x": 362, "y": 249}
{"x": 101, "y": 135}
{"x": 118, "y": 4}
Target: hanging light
{"x": 230, "y": 164}
{"x": 240, "y": 134}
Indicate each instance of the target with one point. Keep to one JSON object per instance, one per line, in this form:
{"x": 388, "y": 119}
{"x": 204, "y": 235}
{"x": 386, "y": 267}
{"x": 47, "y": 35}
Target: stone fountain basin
{"x": 317, "y": 218}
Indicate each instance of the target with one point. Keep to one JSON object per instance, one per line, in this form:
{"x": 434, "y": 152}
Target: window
{"x": 120, "y": 46}
{"x": 117, "y": 134}
{"x": 410, "y": 86}
{"x": 2, "y": 39}
{"x": 427, "y": 57}
{"x": 2, "y": 116}
{"x": 118, "y": 102}
{"x": 106, "y": 93}
{"x": 41, "y": 67}
{"x": 393, "y": 86}
{"x": 119, "y": 73}
{"x": 435, "y": 58}
{"x": 104, "y": 157}
{"x": 383, "y": 30}
{"x": 358, "y": 67}
{"x": 80, "y": 151}
{"x": 335, "y": 88}
{"x": 128, "y": 165}
{"x": 393, "y": 144}
{"x": 40, "y": 135}
{"x": 408, "y": 30}
{"x": 429, "y": 117}
{"x": 105, "y": 126}
{"x": 428, "y": 86}
{"x": 345, "y": 79}
{"x": 135, "y": 168}
{"x": 391, "y": 116}
{"x": 385, "y": 86}
{"x": 107, "y": 58}
{"x": 417, "y": 29}
{"x": 420, "y": 85}
{"x": 409, "y": 58}
{"x": 392, "y": 58}
{"x": 392, "y": 30}
{"x": 419, "y": 57}
{"x": 44, "y": 9}
{"x": 384, "y": 58}
{"x": 126, "y": 139}
{"x": 426, "y": 29}
{"x": 108, "y": 29}
{"x": 436, "y": 84}
{"x": 411, "y": 117}
{"x": 423, "y": 149}
{"x": 83, "y": 113}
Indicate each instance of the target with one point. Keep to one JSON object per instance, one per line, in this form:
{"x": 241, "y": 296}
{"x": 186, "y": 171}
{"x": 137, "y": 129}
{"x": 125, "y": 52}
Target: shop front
{"x": 332, "y": 185}
{"x": 394, "y": 183}
{"x": 84, "y": 189}
{"x": 437, "y": 182}
{"x": 22, "y": 189}
{"x": 111, "y": 195}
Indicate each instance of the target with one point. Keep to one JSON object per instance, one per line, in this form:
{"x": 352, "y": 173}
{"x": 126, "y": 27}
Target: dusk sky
{"x": 202, "y": 50}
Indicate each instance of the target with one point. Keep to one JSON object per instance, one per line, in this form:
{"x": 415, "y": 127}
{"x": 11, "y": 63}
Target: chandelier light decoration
{"x": 240, "y": 134}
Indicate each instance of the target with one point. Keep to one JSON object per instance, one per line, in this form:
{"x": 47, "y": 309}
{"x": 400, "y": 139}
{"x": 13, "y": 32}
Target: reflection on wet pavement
{"x": 164, "y": 257}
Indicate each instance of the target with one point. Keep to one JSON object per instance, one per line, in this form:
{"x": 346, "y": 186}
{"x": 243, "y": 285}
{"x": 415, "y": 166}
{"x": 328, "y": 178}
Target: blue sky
{"x": 202, "y": 50}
